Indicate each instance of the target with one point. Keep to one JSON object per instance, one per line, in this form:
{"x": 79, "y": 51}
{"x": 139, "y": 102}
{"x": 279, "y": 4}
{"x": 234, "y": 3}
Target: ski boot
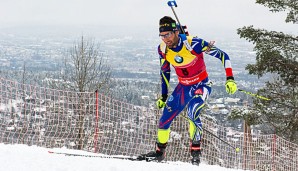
{"x": 157, "y": 155}
{"x": 160, "y": 151}
{"x": 195, "y": 152}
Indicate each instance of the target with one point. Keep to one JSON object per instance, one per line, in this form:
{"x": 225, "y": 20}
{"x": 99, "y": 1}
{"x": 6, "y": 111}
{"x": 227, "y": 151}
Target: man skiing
{"x": 185, "y": 54}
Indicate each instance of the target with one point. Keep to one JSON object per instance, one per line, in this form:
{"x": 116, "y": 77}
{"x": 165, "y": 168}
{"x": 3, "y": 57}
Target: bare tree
{"x": 85, "y": 70}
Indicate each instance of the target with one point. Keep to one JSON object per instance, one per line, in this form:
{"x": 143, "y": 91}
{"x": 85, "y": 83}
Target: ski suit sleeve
{"x": 200, "y": 45}
{"x": 165, "y": 72}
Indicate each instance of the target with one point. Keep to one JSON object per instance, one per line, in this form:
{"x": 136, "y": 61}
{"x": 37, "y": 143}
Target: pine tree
{"x": 276, "y": 54}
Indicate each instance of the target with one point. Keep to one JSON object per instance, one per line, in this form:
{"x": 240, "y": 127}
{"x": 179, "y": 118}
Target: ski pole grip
{"x": 172, "y": 3}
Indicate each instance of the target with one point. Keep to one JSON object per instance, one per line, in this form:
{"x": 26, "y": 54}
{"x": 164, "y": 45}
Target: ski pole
{"x": 252, "y": 94}
{"x": 237, "y": 149}
{"x": 171, "y": 4}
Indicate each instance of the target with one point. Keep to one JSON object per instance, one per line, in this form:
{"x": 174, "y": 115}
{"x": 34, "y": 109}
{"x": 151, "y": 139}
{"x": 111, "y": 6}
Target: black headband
{"x": 167, "y": 27}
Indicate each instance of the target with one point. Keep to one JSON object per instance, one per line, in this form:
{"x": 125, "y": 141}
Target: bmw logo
{"x": 178, "y": 59}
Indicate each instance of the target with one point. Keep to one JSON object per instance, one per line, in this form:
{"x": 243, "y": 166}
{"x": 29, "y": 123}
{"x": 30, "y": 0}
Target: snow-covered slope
{"x": 33, "y": 158}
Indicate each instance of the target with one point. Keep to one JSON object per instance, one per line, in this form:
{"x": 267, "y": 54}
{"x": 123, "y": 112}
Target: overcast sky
{"x": 196, "y": 14}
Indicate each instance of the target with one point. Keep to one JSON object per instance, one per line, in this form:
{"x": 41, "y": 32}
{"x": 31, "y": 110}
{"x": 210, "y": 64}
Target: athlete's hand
{"x": 161, "y": 102}
{"x": 231, "y": 86}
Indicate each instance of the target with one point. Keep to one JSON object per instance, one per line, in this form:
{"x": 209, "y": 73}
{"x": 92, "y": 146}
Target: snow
{"x": 33, "y": 158}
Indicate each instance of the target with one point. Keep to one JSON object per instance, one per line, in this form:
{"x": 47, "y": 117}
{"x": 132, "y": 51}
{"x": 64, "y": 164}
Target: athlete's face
{"x": 170, "y": 38}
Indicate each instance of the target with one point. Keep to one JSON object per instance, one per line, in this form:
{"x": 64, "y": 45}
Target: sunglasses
{"x": 165, "y": 36}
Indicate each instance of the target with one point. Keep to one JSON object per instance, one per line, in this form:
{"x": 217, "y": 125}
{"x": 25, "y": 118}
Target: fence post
{"x": 96, "y": 122}
{"x": 244, "y": 164}
{"x": 274, "y": 152}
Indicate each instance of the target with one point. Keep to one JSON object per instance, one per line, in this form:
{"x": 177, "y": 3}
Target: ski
{"x": 141, "y": 157}
{"x": 95, "y": 156}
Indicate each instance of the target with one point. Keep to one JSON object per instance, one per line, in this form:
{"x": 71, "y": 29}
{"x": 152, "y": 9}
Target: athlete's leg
{"x": 195, "y": 125}
{"x": 175, "y": 104}
{"x": 194, "y": 108}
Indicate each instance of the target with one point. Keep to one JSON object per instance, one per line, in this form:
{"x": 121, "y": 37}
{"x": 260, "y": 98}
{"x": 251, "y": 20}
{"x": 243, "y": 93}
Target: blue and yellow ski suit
{"x": 193, "y": 88}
